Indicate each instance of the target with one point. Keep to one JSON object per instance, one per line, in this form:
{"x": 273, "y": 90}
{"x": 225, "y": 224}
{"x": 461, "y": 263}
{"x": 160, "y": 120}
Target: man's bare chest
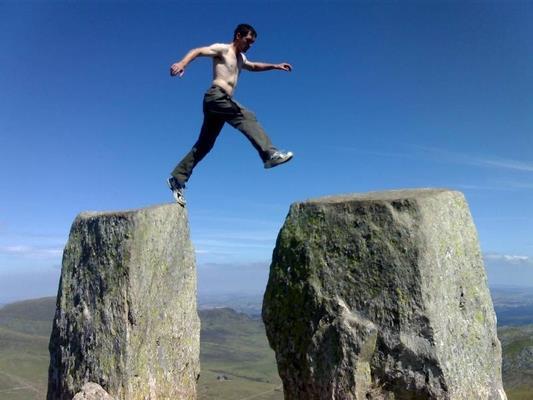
{"x": 229, "y": 62}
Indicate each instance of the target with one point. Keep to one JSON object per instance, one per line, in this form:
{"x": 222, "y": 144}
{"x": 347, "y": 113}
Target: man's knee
{"x": 249, "y": 115}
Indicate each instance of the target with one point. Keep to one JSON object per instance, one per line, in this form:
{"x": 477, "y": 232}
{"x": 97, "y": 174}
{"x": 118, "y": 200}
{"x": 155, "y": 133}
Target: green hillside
{"x": 23, "y": 365}
{"x": 235, "y": 358}
{"x": 236, "y": 362}
{"x": 24, "y": 332}
{"x": 31, "y": 316}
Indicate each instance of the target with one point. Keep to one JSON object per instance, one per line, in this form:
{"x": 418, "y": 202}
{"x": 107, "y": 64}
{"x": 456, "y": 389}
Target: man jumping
{"x": 220, "y": 107}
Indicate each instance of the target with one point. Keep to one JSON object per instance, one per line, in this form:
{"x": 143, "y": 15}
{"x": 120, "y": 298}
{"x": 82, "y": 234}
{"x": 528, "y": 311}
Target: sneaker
{"x": 278, "y": 158}
{"x": 177, "y": 190}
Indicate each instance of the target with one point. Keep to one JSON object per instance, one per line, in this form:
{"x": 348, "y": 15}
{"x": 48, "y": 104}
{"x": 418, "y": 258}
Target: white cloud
{"x": 502, "y": 186}
{"x": 516, "y": 258}
{"x": 454, "y": 157}
{"x": 201, "y": 251}
{"x": 503, "y": 163}
{"x": 479, "y": 161}
{"x": 509, "y": 269}
{"x": 212, "y": 217}
{"x": 33, "y": 252}
{"x": 219, "y": 245}
{"x": 358, "y": 150}
{"x": 489, "y": 188}
{"x": 18, "y": 249}
{"x": 509, "y": 258}
{"x": 209, "y": 243}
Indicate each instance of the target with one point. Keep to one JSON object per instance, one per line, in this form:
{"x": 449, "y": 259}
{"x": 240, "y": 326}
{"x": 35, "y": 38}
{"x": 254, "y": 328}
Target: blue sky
{"x": 383, "y": 95}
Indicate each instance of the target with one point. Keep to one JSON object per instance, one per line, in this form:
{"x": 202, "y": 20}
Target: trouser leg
{"x": 211, "y": 127}
{"x": 220, "y": 108}
{"x": 246, "y": 122}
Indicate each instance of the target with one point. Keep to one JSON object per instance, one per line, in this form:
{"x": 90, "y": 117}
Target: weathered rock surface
{"x": 126, "y": 308}
{"x": 382, "y": 296}
{"x": 92, "y": 391}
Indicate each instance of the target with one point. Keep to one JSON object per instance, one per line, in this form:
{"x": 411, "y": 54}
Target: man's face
{"x": 245, "y": 42}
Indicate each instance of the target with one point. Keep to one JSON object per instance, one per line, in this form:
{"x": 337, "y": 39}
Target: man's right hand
{"x": 177, "y": 69}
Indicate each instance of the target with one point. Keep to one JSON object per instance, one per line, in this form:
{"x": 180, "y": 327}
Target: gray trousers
{"x": 219, "y": 108}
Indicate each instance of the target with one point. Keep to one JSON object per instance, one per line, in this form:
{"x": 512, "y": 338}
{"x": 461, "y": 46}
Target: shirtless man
{"x": 220, "y": 107}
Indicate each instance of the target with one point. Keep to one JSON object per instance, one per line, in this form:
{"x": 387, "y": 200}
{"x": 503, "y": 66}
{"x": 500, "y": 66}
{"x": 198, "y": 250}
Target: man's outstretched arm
{"x": 259, "y": 66}
{"x": 209, "y": 51}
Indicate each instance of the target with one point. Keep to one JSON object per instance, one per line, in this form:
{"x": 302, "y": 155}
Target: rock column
{"x": 126, "y": 308}
{"x": 382, "y": 296}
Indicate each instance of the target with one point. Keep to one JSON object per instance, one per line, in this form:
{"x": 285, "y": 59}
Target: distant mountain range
{"x": 513, "y": 305}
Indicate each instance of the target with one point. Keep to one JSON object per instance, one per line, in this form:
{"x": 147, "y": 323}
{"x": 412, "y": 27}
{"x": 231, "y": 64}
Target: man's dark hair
{"x": 243, "y": 29}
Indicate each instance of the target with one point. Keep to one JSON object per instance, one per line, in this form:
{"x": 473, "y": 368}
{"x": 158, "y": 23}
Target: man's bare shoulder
{"x": 217, "y": 50}
{"x": 220, "y": 49}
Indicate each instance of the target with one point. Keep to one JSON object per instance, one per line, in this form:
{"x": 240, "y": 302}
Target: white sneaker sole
{"x": 179, "y": 199}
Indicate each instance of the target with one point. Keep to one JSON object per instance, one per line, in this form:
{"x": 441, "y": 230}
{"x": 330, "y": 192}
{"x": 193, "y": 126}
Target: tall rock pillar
{"x": 382, "y": 296}
{"x": 126, "y": 314}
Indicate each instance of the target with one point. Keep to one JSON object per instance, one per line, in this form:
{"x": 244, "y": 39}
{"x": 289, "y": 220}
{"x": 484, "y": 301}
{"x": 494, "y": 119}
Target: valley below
{"x": 236, "y": 361}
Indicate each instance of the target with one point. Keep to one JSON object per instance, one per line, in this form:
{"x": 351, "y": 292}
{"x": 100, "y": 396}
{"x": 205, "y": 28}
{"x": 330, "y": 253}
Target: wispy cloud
{"x": 230, "y": 244}
{"x": 504, "y": 187}
{"x": 31, "y": 251}
{"x": 241, "y": 265}
{"x": 211, "y": 254}
{"x": 509, "y": 259}
{"x": 520, "y": 185}
{"x": 379, "y": 153}
{"x": 486, "y": 161}
{"x": 236, "y": 236}
{"x": 506, "y": 219}
{"x": 234, "y": 242}
{"x": 211, "y": 217}
{"x": 437, "y": 154}
{"x": 503, "y": 163}
{"x": 220, "y": 246}
{"x": 201, "y": 251}
{"x": 416, "y": 152}
{"x": 48, "y": 236}
{"x": 509, "y": 269}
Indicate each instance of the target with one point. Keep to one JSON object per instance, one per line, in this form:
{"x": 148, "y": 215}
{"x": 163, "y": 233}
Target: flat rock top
{"x": 170, "y": 207}
{"x": 389, "y": 195}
